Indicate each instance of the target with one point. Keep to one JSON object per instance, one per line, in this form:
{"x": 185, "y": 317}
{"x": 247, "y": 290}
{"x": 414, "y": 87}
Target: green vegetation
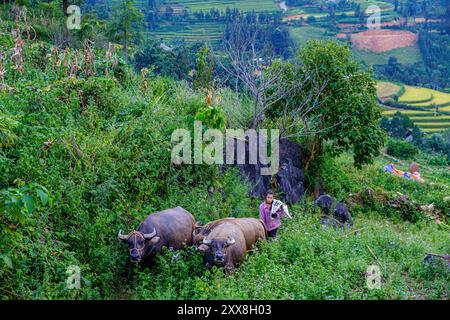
{"x": 405, "y": 55}
{"x": 437, "y": 103}
{"x": 242, "y": 5}
{"x": 101, "y": 146}
{"x": 384, "y": 5}
{"x": 426, "y": 120}
{"x": 432, "y": 71}
{"x": 325, "y": 67}
{"x": 85, "y": 148}
{"x": 400, "y": 125}
{"x": 205, "y": 69}
{"x": 401, "y": 149}
{"x": 210, "y": 33}
{"x": 313, "y": 262}
{"x": 388, "y": 90}
{"x": 301, "y": 35}
{"x": 125, "y": 23}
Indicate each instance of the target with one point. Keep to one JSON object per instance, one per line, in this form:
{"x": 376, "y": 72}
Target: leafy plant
{"x": 7, "y": 135}
{"x": 401, "y": 149}
{"x": 205, "y": 69}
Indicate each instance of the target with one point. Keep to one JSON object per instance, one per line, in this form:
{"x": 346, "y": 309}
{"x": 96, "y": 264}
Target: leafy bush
{"x": 101, "y": 147}
{"x": 401, "y": 149}
{"x": 438, "y": 142}
{"x": 7, "y": 135}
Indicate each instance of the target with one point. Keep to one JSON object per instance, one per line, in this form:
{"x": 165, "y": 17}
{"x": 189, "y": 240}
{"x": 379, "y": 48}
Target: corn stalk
{"x": 89, "y": 58}
{"x": 2, "y": 71}
{"x": 74, "y": 67}
{"x": 17, "y": 51}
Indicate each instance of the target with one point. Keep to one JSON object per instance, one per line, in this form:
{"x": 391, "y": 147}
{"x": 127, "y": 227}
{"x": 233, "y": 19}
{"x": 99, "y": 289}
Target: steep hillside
{"x": 86, "y": 148}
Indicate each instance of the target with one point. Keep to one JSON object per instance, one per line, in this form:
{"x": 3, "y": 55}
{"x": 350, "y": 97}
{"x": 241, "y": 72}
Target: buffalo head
{"x": 325, "y": 202}
{"x": 217, "y": 249}
{"x": 139, "y": 244}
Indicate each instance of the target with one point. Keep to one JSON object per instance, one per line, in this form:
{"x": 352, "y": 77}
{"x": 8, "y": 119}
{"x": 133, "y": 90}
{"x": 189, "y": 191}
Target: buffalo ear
{"x": 198, "y": 227}
{"x": 202, "y": 248}
{"x": 196, "y": 231}
{"x": 155, "y": 240}
{"x": 198, "y": 224}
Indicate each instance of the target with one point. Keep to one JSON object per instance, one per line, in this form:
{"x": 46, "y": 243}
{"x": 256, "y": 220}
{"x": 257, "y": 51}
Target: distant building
{"x": 409, "y": 136}
{"x": 165, "y": 47}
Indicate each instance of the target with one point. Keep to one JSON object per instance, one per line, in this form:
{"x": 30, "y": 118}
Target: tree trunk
{"x": 126, "y": 44}
{"x": 65, "y": 5}
{"x": 315, "y": 152}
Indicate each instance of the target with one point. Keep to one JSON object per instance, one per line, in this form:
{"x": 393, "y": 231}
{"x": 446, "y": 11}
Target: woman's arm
{"x": 262, "y": 214}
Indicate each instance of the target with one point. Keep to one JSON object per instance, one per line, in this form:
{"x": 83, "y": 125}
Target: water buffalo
{"x": 335, "y": 214}
{"x": 171, "y": 228}
{"x": 225, "y": 242}
{"x": 201, "y": 231}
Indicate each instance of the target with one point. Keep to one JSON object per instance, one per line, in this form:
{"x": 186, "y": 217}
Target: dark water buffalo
{"x": 225, "y": 242}
{"x": 171, "y": 228}
{"x": 335, "y": 214}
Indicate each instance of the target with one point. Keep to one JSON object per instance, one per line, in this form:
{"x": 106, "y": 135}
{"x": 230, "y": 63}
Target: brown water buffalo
{"x": 225, "y": 242}
{"x": 253, "y": 229}
{"x": 171, "y": 228}
{"x": 201, "y": 231}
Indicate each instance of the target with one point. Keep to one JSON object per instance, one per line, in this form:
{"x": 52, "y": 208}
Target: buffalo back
{"x": 174, "y": 227}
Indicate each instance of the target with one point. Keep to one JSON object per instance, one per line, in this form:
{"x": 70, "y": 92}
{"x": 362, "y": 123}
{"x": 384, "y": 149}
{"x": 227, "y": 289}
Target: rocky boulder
{"x": 289, "y": 181}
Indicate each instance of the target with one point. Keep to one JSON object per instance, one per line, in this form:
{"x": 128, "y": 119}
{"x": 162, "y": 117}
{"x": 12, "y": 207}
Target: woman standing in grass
{"x": 270, "y": 212}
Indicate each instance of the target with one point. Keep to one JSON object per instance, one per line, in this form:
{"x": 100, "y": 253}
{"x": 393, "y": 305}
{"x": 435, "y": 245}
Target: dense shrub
{"x": 438, "y": 142}
{"x": 401, "y": 149}
{"x": 307, "y": 262}
{"x": 101, "y": 150}
{"x": 399, "y": 125}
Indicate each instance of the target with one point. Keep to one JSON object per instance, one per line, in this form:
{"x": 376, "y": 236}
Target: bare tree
{"x": 244, "y": 64}
{"x": 258, "y": 72}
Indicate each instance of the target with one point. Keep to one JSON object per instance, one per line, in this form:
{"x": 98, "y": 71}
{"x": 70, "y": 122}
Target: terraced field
{"x": 430, "y": 120}
{"x": 384, "y": 6}
{"x": 415, "y": 94}
{"x": 210, "y": 33}
{"x": 296, "y": 13}
{"x": 426, "y": 120}
{"x": 243, "y": 5}
{"x": 301, "y": 35}
{"x": 424, "y": 97}
{"x": 403, "y": 55}
{"x": 386, "y": 90}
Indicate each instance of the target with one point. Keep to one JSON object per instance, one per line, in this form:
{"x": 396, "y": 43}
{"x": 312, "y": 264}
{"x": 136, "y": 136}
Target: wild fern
{"x": 7, "y": 135}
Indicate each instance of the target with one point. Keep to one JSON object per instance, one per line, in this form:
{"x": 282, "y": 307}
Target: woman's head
{"x": 269, "y": 197}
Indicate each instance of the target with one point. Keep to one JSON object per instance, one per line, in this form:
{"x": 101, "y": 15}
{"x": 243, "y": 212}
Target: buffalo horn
{"x": 231, "y": 241}
{"x": 150, "y": 235}
{"x": 122, "y": 236}
{"x": 207, "y": 241}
